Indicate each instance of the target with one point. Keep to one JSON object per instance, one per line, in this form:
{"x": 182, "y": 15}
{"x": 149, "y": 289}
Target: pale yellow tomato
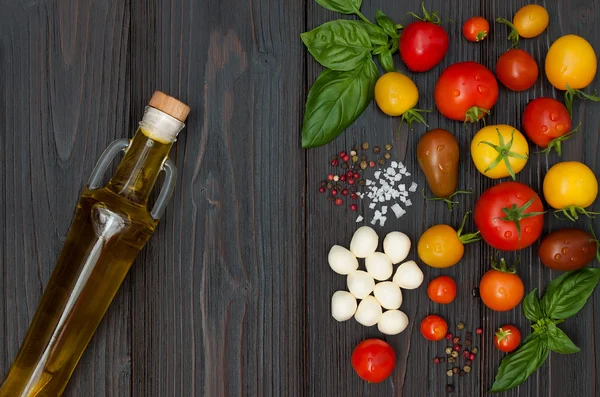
{"x": 571, "y": 60}
{"x": 499, "y": 151}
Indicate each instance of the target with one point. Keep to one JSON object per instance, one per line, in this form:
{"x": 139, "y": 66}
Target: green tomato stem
{"x": 411, "y": 116}
{"x": 504, "y": 153}
{"x": 474, "y": 114}
{"x": 448, "y": 200}
{"x": 556, "y": 143}
{"x": 571, "y": 94}
{"x": 513, "y": 36}
{"x": 469, "y": 237}
{"x": 572, "y": 213}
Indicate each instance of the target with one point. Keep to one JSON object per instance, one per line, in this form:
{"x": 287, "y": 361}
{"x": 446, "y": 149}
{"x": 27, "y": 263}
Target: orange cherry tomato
{"x": 434, "y": 328}
{"x": 442, "y": 289}
{"x": 476, "y": 29}
{"x": 501, "y": 290}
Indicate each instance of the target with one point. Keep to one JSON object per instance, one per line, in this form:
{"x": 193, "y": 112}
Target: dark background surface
{"x": 231, "y": 296}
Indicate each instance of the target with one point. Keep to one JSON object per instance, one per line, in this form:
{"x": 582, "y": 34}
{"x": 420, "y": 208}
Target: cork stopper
{"x": 169, "y": 105}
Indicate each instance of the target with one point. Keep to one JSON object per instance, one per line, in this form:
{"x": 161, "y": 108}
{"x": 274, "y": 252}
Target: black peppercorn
{"x": 361, "y": 182}
{"x": 344, "y": 166}
{"x": 455, "y": 370}
{"x": 381, "y": 161}
{"x": 468, "y": 362}
{"x": 330, "y": 186}
{"x": 461, "y": 373}
{"x": 449, "y": 388}
{"x": 376, "y": 150}
{"x": 456, "y": 340}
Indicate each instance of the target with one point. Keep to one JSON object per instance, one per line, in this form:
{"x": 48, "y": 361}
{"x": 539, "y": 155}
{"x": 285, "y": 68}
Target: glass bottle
{"x": 110, "y": 227}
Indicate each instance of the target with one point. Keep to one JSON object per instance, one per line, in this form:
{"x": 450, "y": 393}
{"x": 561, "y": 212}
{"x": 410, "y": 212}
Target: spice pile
{"x": 384, "y": 191}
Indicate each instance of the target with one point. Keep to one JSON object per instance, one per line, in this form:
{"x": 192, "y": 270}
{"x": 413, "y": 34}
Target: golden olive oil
{"x": 110, "y": 227}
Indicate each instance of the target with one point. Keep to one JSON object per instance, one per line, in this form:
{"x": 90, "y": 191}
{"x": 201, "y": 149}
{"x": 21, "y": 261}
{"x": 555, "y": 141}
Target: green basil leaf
{"x": 339, "y": 45}
{"x": 376, "y": 33}
{"x": 559, "y": 342}
{"x": 531, "y": 306}
{"x": 341, "y": 6}
{"x": 567, "y": 294}
{"x": 518, "y": 366}
{"x": 386, "y": 61}
{"x": 388, "y": 26}
{"x": 335, "y": 101}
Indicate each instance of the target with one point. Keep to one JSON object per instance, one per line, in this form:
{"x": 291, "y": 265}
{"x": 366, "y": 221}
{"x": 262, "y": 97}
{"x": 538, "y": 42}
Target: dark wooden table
{"x": 231, "y": 296}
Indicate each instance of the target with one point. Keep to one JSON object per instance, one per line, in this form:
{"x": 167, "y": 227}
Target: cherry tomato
{"x": 570, "y": 187}
{"x": 466, "y": 91}
{"x": 499, "y": 142}
{"x": 531, "y": 20}
{"x": 395, "y": 93}
{"x": 501, "y": 289}
{"x": 571, "y": 60}
{"x": 545, "y": 121}
{"x": 373, "y": 360}
{"x": 517, "y": 70}
{"x": 509, "y": 216}
{"x": 434, "y": 328}
{"x": 442, "y": 289}
{"x": 438, "y": 153}
{"x": 507, "y": 338}
{"x": 423, "y": 45}
{"x": 441, "y": 246}
{"x": 568, "y": 249}
{"x": 476, "y": 29}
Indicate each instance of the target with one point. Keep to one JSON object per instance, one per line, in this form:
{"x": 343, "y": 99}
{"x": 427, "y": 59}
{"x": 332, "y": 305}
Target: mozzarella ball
{"x": 360, "y": 284}
{"x": 379, "y": 265}
{"x": 408, "y": 275}
{"x": 388, "y": 294}
{"x": 343, "y": 305}
{"x": 368, "y": 312}
{"x": 341, "y": 260}
{"x": 396, "y": 245}
{"x": 392, "y": 322}
{"x": 364, "y": 242}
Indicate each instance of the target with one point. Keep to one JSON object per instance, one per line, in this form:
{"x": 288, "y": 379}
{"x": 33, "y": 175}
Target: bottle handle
{"x": 166, "y": 191}
{"x": 104, "y": 161}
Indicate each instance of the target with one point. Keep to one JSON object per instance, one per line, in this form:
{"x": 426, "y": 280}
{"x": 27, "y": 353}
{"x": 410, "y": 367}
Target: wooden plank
{"x": 330, "y": 344}
{"x": 218, "y": 295}
{"x": 63, "y": 81}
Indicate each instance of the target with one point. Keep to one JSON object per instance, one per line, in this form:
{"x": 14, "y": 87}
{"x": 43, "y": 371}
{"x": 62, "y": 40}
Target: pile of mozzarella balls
{"x": 372, "y": 287}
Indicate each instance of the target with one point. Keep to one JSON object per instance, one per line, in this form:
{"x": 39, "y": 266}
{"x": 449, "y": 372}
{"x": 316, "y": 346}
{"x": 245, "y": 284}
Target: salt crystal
{"x": 397, "y": 210}
{"x": 395, "y": 164}
{"x": 359, "y": 219}
{"x": 384, "y": 209}
{"x": 377, "y": 173}
{"x": 402, "y": 187}
{"x": 408, "y": 203}
{"x": 373, "y": 221}
{"x": 372, "y": 205}
{"x": 391, "y": 171}
{"x": 382, "y": 221}
{"x": 413, "y": 187}
{"x": 368, "y": 182}
{"x": 407, "y": 173}
{"x": 403, "y": 199}
{"x": 397, "y": 177}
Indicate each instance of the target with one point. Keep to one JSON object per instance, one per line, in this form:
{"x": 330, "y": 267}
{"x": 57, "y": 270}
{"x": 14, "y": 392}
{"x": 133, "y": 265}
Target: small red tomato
{"x": 517, "y": 70}
{"x": 501, "y": 289}
{"x": 476, "y": 29}
{"x": 423, "y": 45}
{"x": 442, "y": 289}
{"x": 507, "y": 338}
{"x": 434, "y": 328}
{"x": 545, "y": 121}
{"x": 373, "y": 360}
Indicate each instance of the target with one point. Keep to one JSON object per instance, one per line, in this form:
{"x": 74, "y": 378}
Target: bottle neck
{"x": 138, "y": 171}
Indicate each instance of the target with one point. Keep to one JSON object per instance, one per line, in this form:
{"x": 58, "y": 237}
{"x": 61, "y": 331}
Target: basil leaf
{"x": 376, "y": 34}
{"x": 335, "y": 101}
{"x": 388, "y": 26}
{"x": 518, "y": 366}
{"x": 559, "y": 342}
{"x": 339, "y": 45}
{"x": 531, "y": 306}
{"x": 341, "y": 6}
{"x": 386, "y": 61}
{"x": 567, "y": 294}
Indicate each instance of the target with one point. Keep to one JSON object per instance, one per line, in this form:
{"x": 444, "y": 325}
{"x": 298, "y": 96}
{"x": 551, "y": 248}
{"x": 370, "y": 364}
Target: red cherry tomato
{"x": 434, "y": 328}
{"x": 466, "y": 91}
{"x": 501, "y": 290}
{"x": 507, "y": 338}
{"x": 373, "y": 360}
{"x": 442, "y": 290}
{"x": 517, "y": 70}
{"x": 501, "y": 208}
{"x": 476, "y": 29}
{"x": 423, "y": 45}
{"x": 545, "y": 120}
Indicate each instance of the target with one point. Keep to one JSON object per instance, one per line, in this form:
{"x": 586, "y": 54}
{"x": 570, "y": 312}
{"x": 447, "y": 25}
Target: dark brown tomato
{"x": 567, "y": 249}
{"x": 438, "y": 155}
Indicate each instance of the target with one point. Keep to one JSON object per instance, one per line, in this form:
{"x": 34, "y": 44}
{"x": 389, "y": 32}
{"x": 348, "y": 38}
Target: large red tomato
{"x": 517, "y": 70}
{"x": 373, "y": 360}
{"x": 423, "y": 45}
{"x": 545, "y": 122}
{"x": 466, "y": 91}
{"x": 509, "y": 216}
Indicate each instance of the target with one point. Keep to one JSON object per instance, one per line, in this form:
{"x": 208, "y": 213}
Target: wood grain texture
{"x": 231, "y": 296}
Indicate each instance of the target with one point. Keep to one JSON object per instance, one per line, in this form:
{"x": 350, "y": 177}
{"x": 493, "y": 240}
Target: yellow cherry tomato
{"x": 531, "y": 20}
{"x": 570, "y": 187}
{"x": 441, "y": 246}
{"x": 396, "y": 93}
{"x": 571, "y": 60}
{"x": 499, "y": 151}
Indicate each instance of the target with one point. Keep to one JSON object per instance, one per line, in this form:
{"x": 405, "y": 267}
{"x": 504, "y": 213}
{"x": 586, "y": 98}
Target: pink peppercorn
{"x": 436, "y": 360}
{"x": 354, "y": 196}
{"x": 349, "y": 174}
{"x": 330, "y": 177}
{"x": 333, "y": 192}
{"x": 472, "y": 357}
{"x": 339, "y": 201}
{"x": 334, "y": 163}
{"x": 356, "y": 175}
{"x": 342, "y": 178}
{"x": 466, "y": 354}
{"x": 372, "y": 164}
{"x": 346, "y": 158}
{"x": 345, "y": 192}
{"x": 457, "y": 347}
{"x": 479, "y": 331}
{"x": 449, "y": 336}
{"x": 350, "y": 181}
{"x": 343, "y": 154}
{"x": 353, "y": 207}
{"x": 321, "y": 190}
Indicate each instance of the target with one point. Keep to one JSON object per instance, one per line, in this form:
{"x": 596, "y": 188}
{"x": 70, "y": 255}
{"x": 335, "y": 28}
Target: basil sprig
{"x": 346, "y": 87}
{"x": 565, "y": 296}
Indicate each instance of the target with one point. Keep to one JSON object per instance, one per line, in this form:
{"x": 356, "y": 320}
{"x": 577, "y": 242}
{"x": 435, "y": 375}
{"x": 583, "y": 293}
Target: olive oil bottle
{"x": 110, "y": 227}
